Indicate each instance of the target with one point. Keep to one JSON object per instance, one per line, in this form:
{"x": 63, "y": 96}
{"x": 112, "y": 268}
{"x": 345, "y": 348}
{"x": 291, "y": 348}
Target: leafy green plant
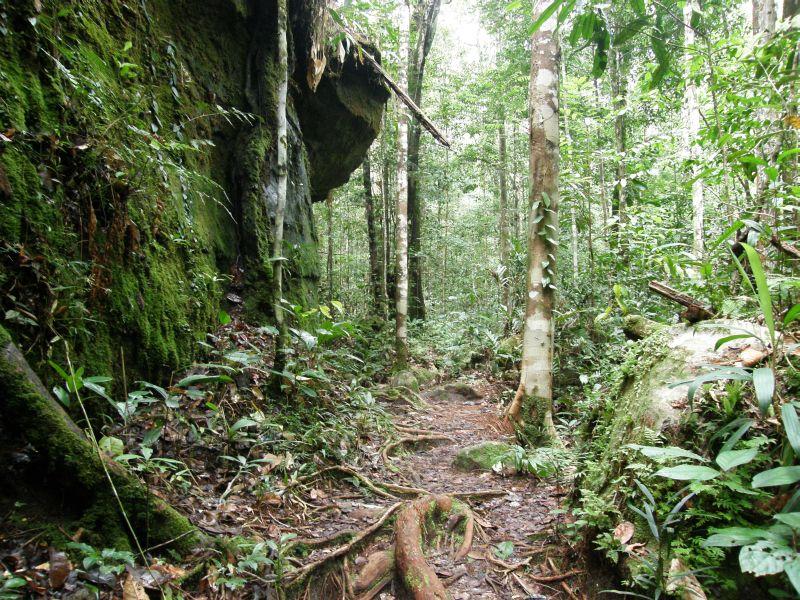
{"x": 11, "y": 587}
{"x": 107, "y": 560}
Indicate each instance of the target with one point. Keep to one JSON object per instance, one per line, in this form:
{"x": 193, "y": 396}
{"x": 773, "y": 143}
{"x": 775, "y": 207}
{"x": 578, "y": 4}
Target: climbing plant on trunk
{"x": 536, "y": 376}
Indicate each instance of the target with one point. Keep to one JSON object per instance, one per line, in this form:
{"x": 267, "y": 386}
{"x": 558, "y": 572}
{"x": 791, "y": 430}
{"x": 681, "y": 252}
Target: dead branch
{"x": 401, "y": 93}
{"x": 789, "y": 249}
{"x": 695, "y": 310}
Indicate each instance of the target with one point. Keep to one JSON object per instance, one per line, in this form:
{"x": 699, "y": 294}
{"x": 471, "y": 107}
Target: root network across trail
{"x": 460, "y": 530}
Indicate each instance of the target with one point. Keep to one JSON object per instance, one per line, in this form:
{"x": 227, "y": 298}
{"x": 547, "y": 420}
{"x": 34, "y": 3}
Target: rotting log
{"x": 65, "y": 470}
{"x": 695, "y": 310}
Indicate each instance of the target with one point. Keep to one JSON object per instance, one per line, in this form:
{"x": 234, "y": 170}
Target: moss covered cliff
{"x": 136, "y": 169}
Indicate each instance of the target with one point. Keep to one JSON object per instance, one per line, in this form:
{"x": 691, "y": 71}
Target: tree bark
{"x": 329, "y": 235}
{"x": 505, "y": 282}
{"x": 536, "y": 377}
{"x": 401, "y": 253}
{"x": 618, "y": 91}
{"x": 692, "y": 131}
{"x": 372, "y": 241}
{"x": 283, "y": 172}
{"x": 425, "y": 21}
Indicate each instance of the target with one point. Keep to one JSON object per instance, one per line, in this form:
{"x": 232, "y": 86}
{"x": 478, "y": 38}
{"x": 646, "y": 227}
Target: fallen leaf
{"x": 133, "y": 590}
{"x": 624, "y": 532}
{"x": 750, "y": 357}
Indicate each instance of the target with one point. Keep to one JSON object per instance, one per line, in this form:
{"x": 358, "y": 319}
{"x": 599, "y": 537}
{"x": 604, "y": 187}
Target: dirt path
{"x": 520, "y": 512}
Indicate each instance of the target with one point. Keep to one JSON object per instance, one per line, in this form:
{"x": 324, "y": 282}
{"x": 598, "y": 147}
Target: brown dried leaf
{"x": 750, "y": 357}
{"x": 133, "y": 590}
{"x": 624, "y": 532}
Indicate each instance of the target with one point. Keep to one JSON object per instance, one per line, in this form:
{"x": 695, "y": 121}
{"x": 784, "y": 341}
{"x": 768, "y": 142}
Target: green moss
{"x": 68, "y": 462}
{"x": 483, "y": 456}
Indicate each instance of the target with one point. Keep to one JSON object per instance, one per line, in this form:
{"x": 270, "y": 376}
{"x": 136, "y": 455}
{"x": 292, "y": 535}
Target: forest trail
{"x": 510, "y": 510}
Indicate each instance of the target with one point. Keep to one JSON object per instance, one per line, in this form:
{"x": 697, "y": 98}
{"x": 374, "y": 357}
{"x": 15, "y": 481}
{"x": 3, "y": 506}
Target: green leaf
{"x": 738, "y": 336}
{"x": 688, "y": 473}
{"x": 764, "y": 384}
{"x": 737, "y": 435}
{"x": 544, "y": 15}
{"x": 791, "y": 519}
{"x": 659, "y": 453}
{"x": 776, "y": 476}
{"x": 200, "y": 379}
{"x": 792, "y": 570}
{"x": 242, "y": 423}
{"x": 152, "y": 436}
{"x": 729, "y": 537}
{"x": 630, "y": 30}
{"x": 504, "y": 550}
{"x": 224, "y": 318}
{"x": 791, "y": 424}
{"x": 791, "y": 315}
{"x": 764, "y": 298}
{"x": 112, "y": 446}
{"x": 733, "y": 458}
{"x": 765, "y": 558}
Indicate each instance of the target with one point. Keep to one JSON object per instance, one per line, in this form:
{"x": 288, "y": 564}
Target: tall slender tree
{"x": 401, "y": 253}
{"x": 425, "y": 17}
{"x": 283, "y": 172}
{"x": 373, "y": 243}
{"x": 505, "y": 284}
{"x": 692, "y": 130}
{"x": 536, "y": 377}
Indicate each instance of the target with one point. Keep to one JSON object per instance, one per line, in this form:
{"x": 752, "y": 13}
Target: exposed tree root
{"x": 412, "y": 439}
{"x": 406, "y": 558}
{"x": 297, "y": 577}
{"x": 416, "y": 574}
{"x": 378, "y": 489}
{"x": 375, "y": 574}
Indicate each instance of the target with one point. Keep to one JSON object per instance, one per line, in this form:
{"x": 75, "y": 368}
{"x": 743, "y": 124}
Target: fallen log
{"x": 695, "y": 310}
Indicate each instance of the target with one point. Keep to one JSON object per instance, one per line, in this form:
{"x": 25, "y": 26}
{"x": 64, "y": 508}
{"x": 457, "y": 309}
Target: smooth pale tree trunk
{"x": 425, "y": 19}
{"x": 372, "y": 241}
{"x": 388, "y": 232}
{"x": 503, "y": 224}
{"x": 329, "y": 235}
{"x": 601, "y": 163}
{"x": 283, "y": 173}
{"x": 536, "y": 377}
{"x": 401, "y": 252}
{"x": 692, "y": 131}
{"x": 618, "y": 91}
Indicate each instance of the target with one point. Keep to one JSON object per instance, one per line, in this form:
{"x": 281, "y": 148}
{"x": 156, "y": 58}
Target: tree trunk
{"x": 601, "y": 165}
{"x": 401, "y": 253}
{"x": 425, "y": 21}
{"x": 372, "y": 241}
{"x": 618, "y": 90}
{"x": 536, "y": 378}
{"x": 388, "y": 232}
{"x": 505, "y": 282}
{"x": 692, "y": 131}
{"x": 283, "y": 173}
{"x": 329, "y": 235}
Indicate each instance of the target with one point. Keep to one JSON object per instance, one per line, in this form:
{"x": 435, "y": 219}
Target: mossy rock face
{"x": 425, "y": 375}
{"x": 645, "y": 403}
{"x": 111, "y": 181}
{"x": 405, "y": 379}
{"x": 485, "y": 456}
{"x": 638, "y": 327}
